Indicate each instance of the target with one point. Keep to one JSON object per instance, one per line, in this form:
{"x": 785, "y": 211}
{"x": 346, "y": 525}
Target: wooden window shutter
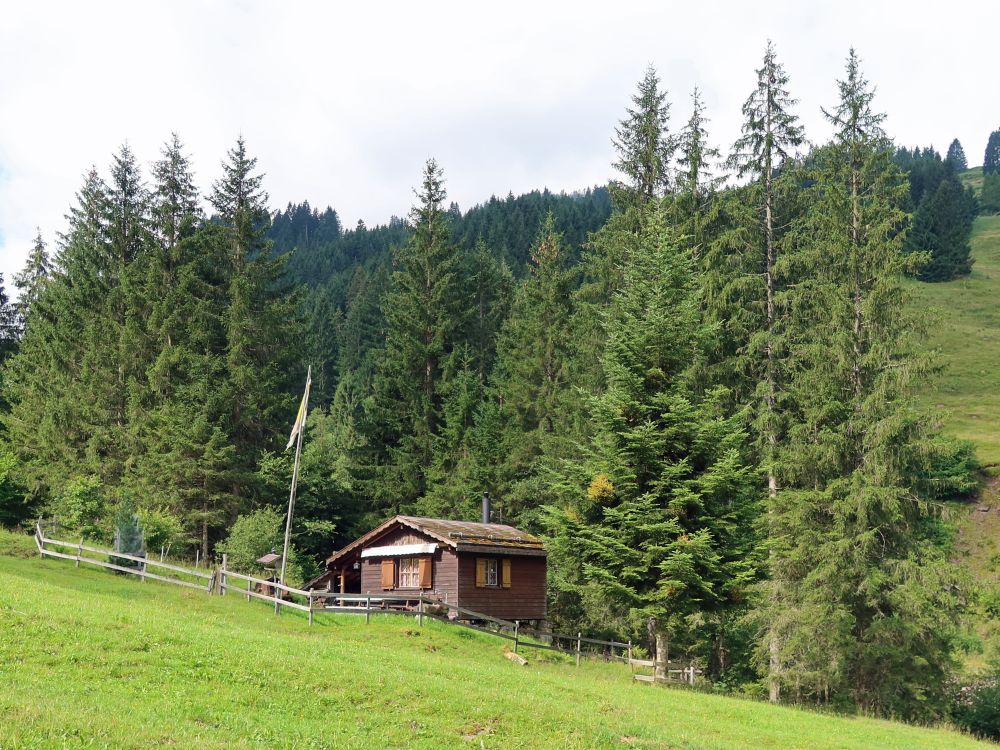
{"x": 388, "y": 574}
{"x": 426, "y": 572}
{"x": 480, "y": 572}
{"x": 505, "y": 580}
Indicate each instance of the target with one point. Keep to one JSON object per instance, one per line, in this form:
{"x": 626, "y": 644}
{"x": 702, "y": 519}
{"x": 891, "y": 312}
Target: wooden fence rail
{"x": 42, "y": 542}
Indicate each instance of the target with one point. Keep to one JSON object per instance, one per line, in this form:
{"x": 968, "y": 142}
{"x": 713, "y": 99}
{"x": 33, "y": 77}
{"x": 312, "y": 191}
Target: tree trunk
{"x": 773, "y": 646}
{"x": 660, "y": 672}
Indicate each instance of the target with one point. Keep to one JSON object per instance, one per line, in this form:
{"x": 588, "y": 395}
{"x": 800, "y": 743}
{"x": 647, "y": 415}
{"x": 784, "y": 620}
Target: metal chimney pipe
{"x": 486, "y": 507}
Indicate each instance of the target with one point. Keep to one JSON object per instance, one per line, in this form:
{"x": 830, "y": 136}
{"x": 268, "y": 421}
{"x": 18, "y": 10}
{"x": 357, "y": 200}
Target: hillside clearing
{"x": 966, "y": 334}
{"x": 90, "y": 659}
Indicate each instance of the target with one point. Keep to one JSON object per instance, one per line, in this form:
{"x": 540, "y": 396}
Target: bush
{"x": 253, "y": 536}
{"x": 161, "y": 529}
{"x": 15, "y": 544}
{"x": 990, "y": 599}
{"x": 81, "y": 506}
{"x": 129, "y": 538}
{"x": 977, "y": 707}
{"x": 950, "y": 469}
{"x": 16, "y": 503}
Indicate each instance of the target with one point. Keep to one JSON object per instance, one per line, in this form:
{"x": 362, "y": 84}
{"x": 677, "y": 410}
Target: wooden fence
{"x": 418, "y": 605}
{"x": 202, "y": 580}
{"x": 665, "y": 671}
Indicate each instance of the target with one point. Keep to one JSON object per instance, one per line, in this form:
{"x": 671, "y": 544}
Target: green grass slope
{"x": 966, "y": 333}
{"x": 972, "y": 178}
{"x": 90, "y": 659}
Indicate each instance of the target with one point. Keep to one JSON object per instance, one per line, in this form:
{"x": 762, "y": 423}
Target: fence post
{"x": 517, "y": 625}
{"x": 197, "y": 556}
{"x": 222, "y": 576}
{"x": 310, "y": 607}
{"x": 420, "y": 611}
{"x": 79, "y": 552}
{"x": 631, "y": 668}
{"x": 277, "y": 601}
{"x": 248, "y": 588}
{"x": 578, "y": 636}
{"x": 368, "y": 609}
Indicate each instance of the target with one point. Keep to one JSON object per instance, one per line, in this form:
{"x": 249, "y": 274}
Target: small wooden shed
{"x": 491, "y": 568}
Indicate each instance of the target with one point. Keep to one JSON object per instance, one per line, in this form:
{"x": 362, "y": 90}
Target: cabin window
{"x": 409, "y": 572}
{"x": 492, "y": 572}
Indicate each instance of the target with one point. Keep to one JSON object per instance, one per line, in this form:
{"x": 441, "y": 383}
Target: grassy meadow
{"x": 89, "y": 659}
{"x": 973, "y": 178}
{"x": 966, "y": 334}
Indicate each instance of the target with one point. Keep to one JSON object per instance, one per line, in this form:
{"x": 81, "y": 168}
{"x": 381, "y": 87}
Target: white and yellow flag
{"x": 300, "y": 419}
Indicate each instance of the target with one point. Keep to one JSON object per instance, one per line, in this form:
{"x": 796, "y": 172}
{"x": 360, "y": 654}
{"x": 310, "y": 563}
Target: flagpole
{"x": 291, "y": 493}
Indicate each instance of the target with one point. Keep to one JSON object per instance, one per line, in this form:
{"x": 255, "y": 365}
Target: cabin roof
{"x": 462, "y": 536}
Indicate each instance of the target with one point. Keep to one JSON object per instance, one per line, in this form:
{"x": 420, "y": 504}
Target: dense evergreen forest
{"x": 696, "y": 382}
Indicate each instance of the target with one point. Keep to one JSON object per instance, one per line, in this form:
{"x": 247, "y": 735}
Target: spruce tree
{"x": 991, "y": 159}
{"x": 695, "y": 182}
{"x": 67, "y": 412}
{"x": 492, "y": 285}
{"x": 422, "y": 312}
{"x": 770, "y": 133}
{"x": 534, "y": 379}
{"x": 868, "y": 602}
{"x": 30, "y": 280}
{"x": 956, "y": 157}
{"x": 9, "y": 324}
{"x": 942, "y": 227}
{"x": 645, "y": 149}
{"x": 643, "y": 144}
{"x": 261, "y": 320}
{"x": 656, "y": 531}
{"x": 185, "y": 464}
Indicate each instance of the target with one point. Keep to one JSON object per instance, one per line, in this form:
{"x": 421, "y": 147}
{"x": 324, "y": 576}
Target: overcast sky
{"x": 343, "y": 102}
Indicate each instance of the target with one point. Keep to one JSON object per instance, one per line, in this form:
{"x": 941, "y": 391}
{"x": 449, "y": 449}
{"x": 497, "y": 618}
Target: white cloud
{"x": 343, "y": 102}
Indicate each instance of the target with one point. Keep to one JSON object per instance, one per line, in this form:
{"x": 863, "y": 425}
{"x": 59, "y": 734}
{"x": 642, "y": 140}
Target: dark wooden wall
{"x": 524, "y": 600}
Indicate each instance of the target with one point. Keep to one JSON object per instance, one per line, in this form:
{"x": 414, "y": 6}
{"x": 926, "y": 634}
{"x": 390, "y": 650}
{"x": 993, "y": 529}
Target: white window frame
{"x": 492, "y": 571}
{"x": 408, "y": 572}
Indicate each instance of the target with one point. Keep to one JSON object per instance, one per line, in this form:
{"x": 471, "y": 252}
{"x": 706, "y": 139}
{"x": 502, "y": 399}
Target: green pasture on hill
{"x": 966, "y": 334}
{"x": 972, "y": 178}
{"x": 89, "y": 659}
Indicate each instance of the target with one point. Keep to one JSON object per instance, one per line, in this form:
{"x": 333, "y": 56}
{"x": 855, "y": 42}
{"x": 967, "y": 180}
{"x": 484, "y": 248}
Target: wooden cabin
{"x": 489, "y": 568}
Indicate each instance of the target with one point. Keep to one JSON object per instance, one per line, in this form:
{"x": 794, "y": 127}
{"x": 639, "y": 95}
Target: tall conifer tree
{"x": 422, "y": 312}
{"x": 770, "y": 134}
{"x": 656, "y": 532}
{"x": 534, "y": 380}
{"x": 30, "y": 280}
{"x": 991, "y": 159}
{"x": 867, "y": 601}
{"x": 956, "y": 157}
{"x": 695, "y": 181}
{"x": 643, "y": 144}
{"x": 261, "y": 319}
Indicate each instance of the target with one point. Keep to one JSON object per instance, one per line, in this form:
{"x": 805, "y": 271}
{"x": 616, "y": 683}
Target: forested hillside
{"x": 700, "y": 383}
